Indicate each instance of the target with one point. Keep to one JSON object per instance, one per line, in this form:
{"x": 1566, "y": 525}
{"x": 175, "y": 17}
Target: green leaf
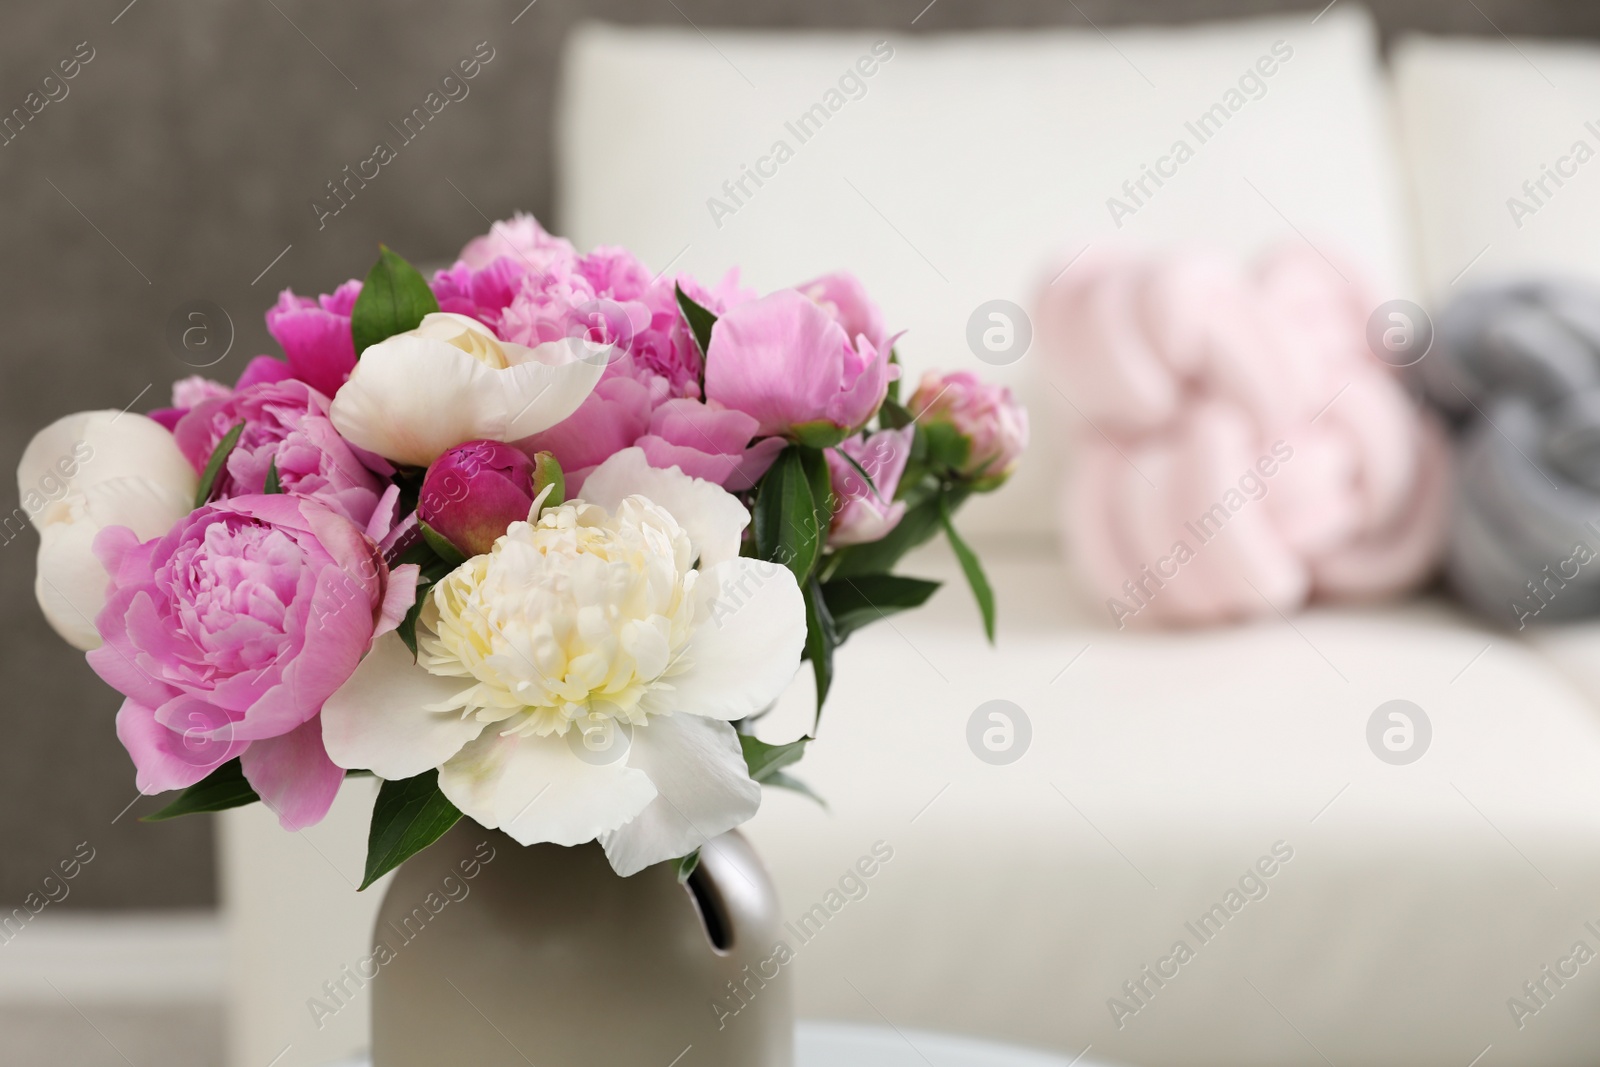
{"x": 223, "y": 788}
{"x": 894, "y": 415}
{"x": 820, "y": 479}
{"x": 441, "y": 545}
{"x": 700, "y": 320}
{"x": 821, "y": 640}
{"x": 854, "y": 602}
{"x": 686, "y": 865}
{"x": 970, "y": 567}
{"x": 393, "y": 300}
{"x": 786, "y": 514}
{"x": 780, "y": 780}
{"x": 893, "y": 394}
{"x": 219, "y": 456}
{"x": 273, "y": 486}
{"x": 765, "y": 760}
{"x": 408, "y": 625}
{"x": 410, "y": 815}
{"x": 946, "y": 449}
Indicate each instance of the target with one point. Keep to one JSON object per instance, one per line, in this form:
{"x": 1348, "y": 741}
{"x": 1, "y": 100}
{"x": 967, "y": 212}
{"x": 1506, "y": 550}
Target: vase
{"x": 501, "y": 954}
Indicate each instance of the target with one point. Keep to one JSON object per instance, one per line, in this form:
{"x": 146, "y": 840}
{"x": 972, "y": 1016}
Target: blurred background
{"x": 183, "y": 164}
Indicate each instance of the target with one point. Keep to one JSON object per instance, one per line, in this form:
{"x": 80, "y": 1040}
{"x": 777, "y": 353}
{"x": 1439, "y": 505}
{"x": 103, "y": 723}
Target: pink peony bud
{"x": 789, "y": 364}
{"x": 986, "y": 430}
{"x": 473, "y": 492}
{"x": 865, "y": 511}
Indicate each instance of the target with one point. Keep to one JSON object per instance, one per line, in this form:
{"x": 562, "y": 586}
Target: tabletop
{"x": 850, "y": 1045}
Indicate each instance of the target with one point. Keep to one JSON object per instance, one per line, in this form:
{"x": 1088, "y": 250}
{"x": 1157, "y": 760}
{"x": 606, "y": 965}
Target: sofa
{"x": 1196, "y": 847}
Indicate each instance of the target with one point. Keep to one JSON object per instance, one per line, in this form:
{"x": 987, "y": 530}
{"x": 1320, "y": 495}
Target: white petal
{"x": 537, "y": 789}
{"x": 704, "y": 790}
{"x": 70, "y": 583}
{"x": 80, "y": 451}
{"x": 750, "y": 628}
{"x": 711, "y": 516}
{"x": 377, "y": 720}
{"x": 411, "y": 398}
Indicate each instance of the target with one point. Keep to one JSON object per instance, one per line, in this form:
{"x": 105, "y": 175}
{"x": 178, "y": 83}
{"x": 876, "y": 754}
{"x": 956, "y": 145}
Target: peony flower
{"x": 986, "y": 418}
{"x": 193, "y": 390}
{"x": 520, "y": 238}
{"x": 81, "y": 474}
{"x": 450, "y": 381}
{"x": 709, "y": 441}
{"x": 474, "y": 491}
{"x": 578, "y": 682}
{"x": 866, "y": 511}
{"x": 610, "y": 419}
{"x": 845, "y": 299}
{"x": 482, "y": 293}
{"x": 315, "y": 335}
{"x": 286, "y": 426}
{"x": 227, "y": 633}
{"x": 788, "y": 363}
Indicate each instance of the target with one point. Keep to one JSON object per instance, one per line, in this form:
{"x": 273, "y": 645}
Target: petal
{"x": 70, "y": 583}
{"x": 166, "y": 759}
{"x": 293, "y": 775}
{"x": 537, "y": 789}
{"x": 410, "y": 399}
{"x": 398, "y": 596}
{"x": 750, "y": 629}
{"x": 377, "y": 720}
{"x": 711, "y": 516}
{"x": 78, "y": 452}
{"x": 703, "y": 789}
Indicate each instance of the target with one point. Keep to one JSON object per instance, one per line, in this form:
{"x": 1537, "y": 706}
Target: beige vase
{"x": 500, "y": 954}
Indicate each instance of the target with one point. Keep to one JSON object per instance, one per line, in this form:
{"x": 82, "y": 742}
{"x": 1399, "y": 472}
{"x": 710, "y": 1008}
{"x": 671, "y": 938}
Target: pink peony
{"x": 227, "y": 634}
{"x": 520, "y": 238}
{"x": 482, "y": 293}
{"x": 285, "y": 423}
{"x": 864, "y": 511}
{"x": 788, "y": 363}
{"x": 610, "y": 419}
{"x": 315, "y": 335}
{"x": 710, "y": 442}
{"x": 190, "y": 391}
{"x": 844, "y": 298}
{"x": 986, "y": 417}
{"x": 474, "y": 491}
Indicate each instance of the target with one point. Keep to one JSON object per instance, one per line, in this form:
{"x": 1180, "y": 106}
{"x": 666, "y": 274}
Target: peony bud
{"x": 790, "y": 365}
{"x": 867, "y": 510}
{"x": 473, "y": 492}
{"x": 976, "y": 430}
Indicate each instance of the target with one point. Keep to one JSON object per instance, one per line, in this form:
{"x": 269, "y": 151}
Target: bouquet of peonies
{"x": 534, "y": 542}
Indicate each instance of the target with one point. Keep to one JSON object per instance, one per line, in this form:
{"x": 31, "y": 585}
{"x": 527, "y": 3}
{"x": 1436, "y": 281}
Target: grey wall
{"x": 183, "y": 161}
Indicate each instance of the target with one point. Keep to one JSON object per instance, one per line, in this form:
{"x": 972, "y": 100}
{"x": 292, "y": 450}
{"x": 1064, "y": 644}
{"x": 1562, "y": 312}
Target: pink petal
{"x": 294, "y": 776}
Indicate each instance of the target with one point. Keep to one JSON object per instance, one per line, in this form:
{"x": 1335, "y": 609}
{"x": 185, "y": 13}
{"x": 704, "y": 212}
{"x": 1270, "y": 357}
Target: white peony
{"x": 85, "y": 472}
{"x": 577, "y": 682}
{"x": 415, "y": 395}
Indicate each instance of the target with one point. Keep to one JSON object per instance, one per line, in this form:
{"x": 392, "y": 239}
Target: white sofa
{"x": 1406, "y": 905}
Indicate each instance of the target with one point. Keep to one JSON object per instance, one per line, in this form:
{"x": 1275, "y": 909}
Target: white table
{"x": 850, "y": 1045}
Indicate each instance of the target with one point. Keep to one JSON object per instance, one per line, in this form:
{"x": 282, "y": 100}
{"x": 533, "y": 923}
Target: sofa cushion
{"x": 971, "y": 168}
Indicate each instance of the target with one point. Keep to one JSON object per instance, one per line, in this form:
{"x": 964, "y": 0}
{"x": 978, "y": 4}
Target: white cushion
{"x": 1479, "y": 118}
{"x": 974, "y": 166}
